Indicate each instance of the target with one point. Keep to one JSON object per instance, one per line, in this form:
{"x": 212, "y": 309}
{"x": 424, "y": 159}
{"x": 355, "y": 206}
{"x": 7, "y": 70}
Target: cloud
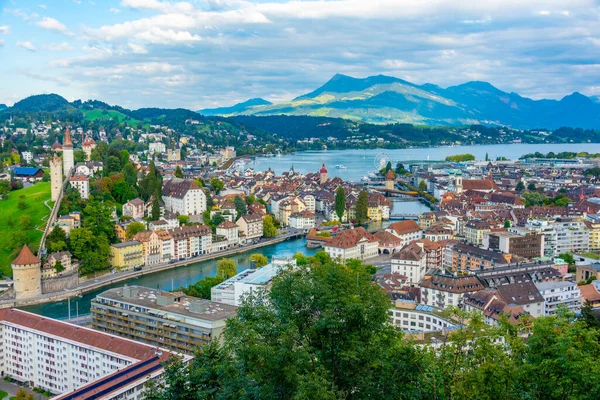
{"x": 1, "y": 42}
{"x": 114, "y": 10}
{"x": 137, "y": 48}
{"x": 25, "y": 16}
{"x": 63, "y": 46}
{"x": 53, "y": 25}
{"x": 160, "y": 6}
{"x": 4, "y": 30}
{"x": 42, "y": 6}
{"x": 27, "y": 45}
{"x": 46, "y": 77}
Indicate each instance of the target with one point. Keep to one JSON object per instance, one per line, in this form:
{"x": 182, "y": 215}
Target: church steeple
{"x": 67, "y": 141}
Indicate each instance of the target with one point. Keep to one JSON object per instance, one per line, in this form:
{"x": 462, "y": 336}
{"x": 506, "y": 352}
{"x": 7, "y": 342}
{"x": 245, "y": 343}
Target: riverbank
{"x": 109, "y": 279}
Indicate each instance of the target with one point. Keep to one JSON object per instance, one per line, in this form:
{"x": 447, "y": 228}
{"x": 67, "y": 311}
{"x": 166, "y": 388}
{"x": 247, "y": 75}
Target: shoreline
{"x": 108, "y": 279}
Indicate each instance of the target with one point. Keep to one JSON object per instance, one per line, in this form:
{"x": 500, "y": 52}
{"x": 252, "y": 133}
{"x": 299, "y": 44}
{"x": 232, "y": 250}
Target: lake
{"x": 360, "y": 162}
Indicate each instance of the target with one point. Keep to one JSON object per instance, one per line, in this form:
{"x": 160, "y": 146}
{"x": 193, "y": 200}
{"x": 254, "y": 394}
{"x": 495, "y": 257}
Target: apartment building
{"x": 135, "y": 208}
{"x": 447, "y": 290}
{"x": 250, "y": 226}
{"x": 352, "y": 244}
{"x": 127, "y": 255}
{"x": 81, "y": 184}
{"x": 527, "y": 246}
{"x": 169, "y": 320}
{"x": 183, "y": 197}
{"x": 564, "y": 235}
{"x": 560, "y": 293}
{"x": 464, "y": 257}
{"x": 406, "y": 231}
{"x": 475, "y": 231}
{"x": 151, "y": 244}
{"x": 72, "y": 361}
{"x": 190, "y": 241}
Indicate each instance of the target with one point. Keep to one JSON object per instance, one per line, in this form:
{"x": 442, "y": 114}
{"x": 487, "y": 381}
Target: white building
{"x": 407, "y": 231}
{"x": 422, "y": 318}
{"x": 355, "y": 244}
{"x": 71, "y": 361}
{"x": 183, "y": 197}
{"x": 564, "y": 235}
{"x": 82, "y": 184}
{"x": 303, "y": 220}
{"x": 156, "y": 147}
{"x": 560, "y": 293}
{"x": 250, "y": 226}
{"x": 229, "y": 231}
{"x": 410, "y": 261}
{"x": 233, "y": 290}
{"x": 446, "y": 290}
{"x": 27, "y": 156}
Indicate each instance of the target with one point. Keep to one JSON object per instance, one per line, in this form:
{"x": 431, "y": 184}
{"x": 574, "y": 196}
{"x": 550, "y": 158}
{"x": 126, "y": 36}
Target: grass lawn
{"x": 3, "y": 394}
{"x": 93, "y": 115}
{"x": 9, "y": 211}
{"x": 591, "y": 255}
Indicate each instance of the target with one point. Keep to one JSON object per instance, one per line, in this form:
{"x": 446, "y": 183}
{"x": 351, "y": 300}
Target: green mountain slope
{"x": 244, "y": 107}
{"x": 384, "y": 99}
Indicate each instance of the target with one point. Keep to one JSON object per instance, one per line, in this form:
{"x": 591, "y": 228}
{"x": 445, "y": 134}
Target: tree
{"x": 92, "y": 250}
{"x": 124, "y": 157}
{"x": 269, "y": 229}
{"x": 301, "y": 259}
{"x": 130, "y": 174}
{"x": 362, "y": 207}
{"x": 25, "y": 222}
{"x": 17, "y": 240}
{"x": 507, "y": 223}
{"x": 22, "y": 204}
{"x": 155, "y": 211}
{"x": 123, "y": 191}
{"x": 178, "y": 172}
{"x": 98, "y": 217}
{"x": 217, "y": 184}
{"x": 240, "y": 206}
{"x": 259, "y": 260}
{"x": 568, "y": 258}
{"x": 23, "y": 395}
{"x": 113, "y": 164}
{"x": 203, "y": 287}
{"x": 423, "y": 186}
{"x": 4, "y": 189}
{"x": 250, "y": 199}
{"x": 226, "y": 268}
{"x": 400, "y": 169}
{"x": 58, "y": 267}
{"x": 487, "y": 157}
{"x": 340, "y": 202}
{"x": 520, "y": 186}
{"x": 183, "y": 219}
{"x": 531, "y": 187}
{"x": 134, "y": 228}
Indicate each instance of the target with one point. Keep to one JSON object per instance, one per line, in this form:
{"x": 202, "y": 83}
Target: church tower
{"x": 56, "y": 174}
{"x": 323, "y": 174}
{"x": 27, "y": 274}
{"x": 390, "y": 180}
{"x": 68, "y": 156}
{"x": 458, "y": 182}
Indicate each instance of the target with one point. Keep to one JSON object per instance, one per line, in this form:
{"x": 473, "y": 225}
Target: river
{"x": 186, "y": 275}
{"x": 359, "y": 162}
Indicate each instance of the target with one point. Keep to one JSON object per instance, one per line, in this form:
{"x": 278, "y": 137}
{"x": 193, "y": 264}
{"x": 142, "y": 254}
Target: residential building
{"x": 88, "y": 146}
{"x": 169, "y": 320}
{"x": 303, "y": 220}
{"x": 135, "y": 208}
{"x": 352, "y": 244}
{"x": 564, "y": 235}
{"x": 69, "y": 222}
{"x": 49, "y": 268}
{"x": 233, "y": 290}
{"x": 166, "y": 246}
{"x": 183, "y": 197}
{"x": 438, "y": 233}
{"x": 475, "y": 231}
{"x": 593, "y": 225}
{"x": 527, "y": 246}
{"x": 81, "y": 184}
{"x": 411, "y": 262}
{"x": 151, "y": 244}
{"x": 191, "y": 241}
{"x": 590, "y": 294}
{"x": 157, "y": 148}
{"x": 250, "y": 227}
{"x": 127, "y": 255}
{"x": 464, "y": 257}
{"x": 406, "y": 231}
{"x": 229, "y": 231}
{"x": 419, "y": 318}
{"x": 524, "y": 294}
{"x": 447, "y": 290}
{"x": 493, "y": 307}
{"x": 560, "y": 293}
{"x": 585, "y": 272}
{"x": 72, "y": 361}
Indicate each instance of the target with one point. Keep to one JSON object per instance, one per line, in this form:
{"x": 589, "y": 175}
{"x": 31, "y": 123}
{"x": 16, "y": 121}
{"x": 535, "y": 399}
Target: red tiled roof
{"x": 350, "y": 237}
{"x": 85, "y": 336}
{"x": 404, "y": 227}
{"x": 26, "y": 257}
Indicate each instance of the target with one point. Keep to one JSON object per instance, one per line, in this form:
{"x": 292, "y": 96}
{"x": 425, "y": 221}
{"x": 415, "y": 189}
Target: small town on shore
{"x": 511, "y": 239}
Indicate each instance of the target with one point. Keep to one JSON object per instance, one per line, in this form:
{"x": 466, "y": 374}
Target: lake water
{"x": 360, "y": 162}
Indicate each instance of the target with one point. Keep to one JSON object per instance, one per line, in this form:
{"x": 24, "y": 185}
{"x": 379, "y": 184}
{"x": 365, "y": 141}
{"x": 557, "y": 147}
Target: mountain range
{"x": 386, "y": 99}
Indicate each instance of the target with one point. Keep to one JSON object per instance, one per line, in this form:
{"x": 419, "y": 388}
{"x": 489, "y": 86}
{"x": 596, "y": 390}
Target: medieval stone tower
{"x": 56, "y": 177}
{"x": 390, "y": 179}
{"x": 68, "y": 156}
{"x": 27, "y": 274}
{"x": 323, "y": 174}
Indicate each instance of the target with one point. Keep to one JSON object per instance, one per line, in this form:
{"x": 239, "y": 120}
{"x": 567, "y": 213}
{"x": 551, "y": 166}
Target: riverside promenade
{"x": 109, "y": 278}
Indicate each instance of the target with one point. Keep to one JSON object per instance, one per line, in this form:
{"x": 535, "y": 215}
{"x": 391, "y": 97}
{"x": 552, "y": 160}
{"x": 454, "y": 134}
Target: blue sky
{"x": 196, "y": 54}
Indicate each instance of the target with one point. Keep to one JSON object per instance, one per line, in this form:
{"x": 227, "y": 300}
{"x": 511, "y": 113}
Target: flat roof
{"x": 262, "y": 275}
{"x": 147, "y": 298}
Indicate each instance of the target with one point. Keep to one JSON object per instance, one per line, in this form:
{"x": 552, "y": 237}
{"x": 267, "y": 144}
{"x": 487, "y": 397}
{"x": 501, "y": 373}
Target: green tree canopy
{"x": 226, "y": 268}
{"x": 134, "y": 228}
{"x": 340, "y": 202}
{"x": 362, "y": 207}
{"x": 269, "y": 229}
{"x": 259, "y": 260}
{"x": 178, "y": 172}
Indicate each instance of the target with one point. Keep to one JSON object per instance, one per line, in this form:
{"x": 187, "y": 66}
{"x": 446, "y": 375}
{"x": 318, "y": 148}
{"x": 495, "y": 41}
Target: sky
{"x": 208, "y": 53}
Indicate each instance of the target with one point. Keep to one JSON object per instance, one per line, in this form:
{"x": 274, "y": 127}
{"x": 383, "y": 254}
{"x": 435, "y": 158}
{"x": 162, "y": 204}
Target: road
{"x": 110, "y": 278}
